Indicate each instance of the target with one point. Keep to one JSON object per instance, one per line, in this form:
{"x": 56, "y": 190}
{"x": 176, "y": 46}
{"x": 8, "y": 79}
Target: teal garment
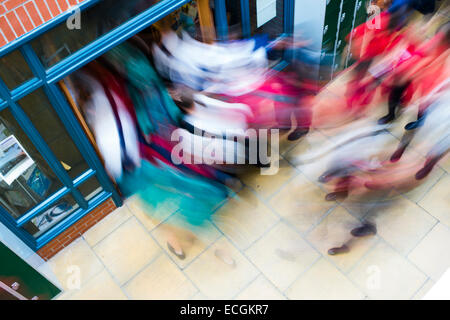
{"x": 187, "y": 23}
{"x": 196, "y": 197}
{"x": 146, "y": 89}
{"x": 144, "y": 121}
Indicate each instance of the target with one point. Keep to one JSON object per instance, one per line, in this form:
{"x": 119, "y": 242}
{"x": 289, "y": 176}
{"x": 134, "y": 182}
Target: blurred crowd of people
{"x": 215, "y": 95}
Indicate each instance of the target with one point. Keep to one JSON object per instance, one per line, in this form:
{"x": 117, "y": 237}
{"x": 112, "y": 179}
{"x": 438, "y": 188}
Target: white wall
{"x": 309, "y": 18}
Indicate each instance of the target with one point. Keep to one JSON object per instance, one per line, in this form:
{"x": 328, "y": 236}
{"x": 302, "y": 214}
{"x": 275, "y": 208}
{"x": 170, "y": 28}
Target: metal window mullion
{"x": 26, "y": 88}
{"x": 60, "y": 105}
{"x": 220, "y": 12}
{"x": 113, "y": 38}
{"x": 245, "y": 18}
{"x": 85, "y": 176}
{"x": 36, "y": 32}
{"x": 53, "y": 198}
{"x": 33, "y": 134}
{"x": 71, "y": 219}
{"x": 288, "y": 25}
{"x": 22, "y": 220}
{"x": 40, "y": 144}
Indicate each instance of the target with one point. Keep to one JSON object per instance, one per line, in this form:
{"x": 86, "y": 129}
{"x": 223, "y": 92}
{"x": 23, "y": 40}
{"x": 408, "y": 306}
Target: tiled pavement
{"x": 278, "y": 234}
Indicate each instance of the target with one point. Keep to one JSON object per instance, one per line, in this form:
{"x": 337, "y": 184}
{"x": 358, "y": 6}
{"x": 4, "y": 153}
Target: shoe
{"x": 365, "y": 230}
{"x": 180, "y": 255}
{"x": 329, "y": 174}
{"x": 425, "y": 171}
{"x": 297, "y": 134}
{"x": 414, "y": 125}
{"x": 386, "y": 119}
{"x": 325, "y": 178}
{"x": 222, "y": 255}
{"x": 332, "y": 196}
{"x": 422, "y": 173}
{"x": 338, "y": 250}
{"x": 397, "y": 154}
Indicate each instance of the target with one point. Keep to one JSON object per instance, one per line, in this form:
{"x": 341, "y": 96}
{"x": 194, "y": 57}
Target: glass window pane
{"x": 25, "y": 177}
{"x": 14, "y": 70}
{"x": 96, "y": 21}
{"x": 268, "y": 19}
{"x": 45, "y": 119}
{"x": 51, "y": 216}
{"x": 234, "y": 18}
{"x": 90, "y": 188}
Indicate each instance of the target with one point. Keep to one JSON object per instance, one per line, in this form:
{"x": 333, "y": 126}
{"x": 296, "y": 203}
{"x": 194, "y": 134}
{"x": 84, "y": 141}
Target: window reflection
{"x": 96, "y": 21}
{"x": 26, "y": 179}
{"x": 14, "y": 70}
{"x": 90, "y": 188}
{"x": 51, "y": 216}
{"x": 47, "y": 122}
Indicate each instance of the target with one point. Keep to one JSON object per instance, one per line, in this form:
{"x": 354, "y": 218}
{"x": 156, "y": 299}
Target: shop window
{"x": 25, "y": 178}
{"x": 51, "y": 216}
{"x": 47, "y": 122}
{"x": 267, "y": 17}
{"x": 263, "y": 17}
{"x": 60, "y": 42}
{"x": 14, "y": 70}
{"x": 90, "y": 188}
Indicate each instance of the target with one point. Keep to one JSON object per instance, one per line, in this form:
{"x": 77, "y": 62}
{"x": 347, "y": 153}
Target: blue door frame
{"x": 47, "y": 80}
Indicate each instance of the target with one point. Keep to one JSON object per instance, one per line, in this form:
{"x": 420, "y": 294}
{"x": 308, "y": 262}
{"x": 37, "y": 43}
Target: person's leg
{"x": 341, "y": 189}
{"x": 395, "y": 97}
{"x": 404, "y": 143}
{"x": 303, "y": 117}
{"x": 355, "y": 90}
{"x": 360, "y": 70}
{"x": 420, "y": 119}
{"x": 431, "y": 161}
{"x": 367, "y": 211}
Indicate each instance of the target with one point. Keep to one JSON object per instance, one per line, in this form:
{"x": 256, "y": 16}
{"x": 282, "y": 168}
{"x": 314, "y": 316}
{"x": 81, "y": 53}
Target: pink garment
{"x": 274, "y": 102}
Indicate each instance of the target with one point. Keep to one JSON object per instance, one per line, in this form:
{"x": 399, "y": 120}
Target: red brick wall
{"x": 76, "y": 230}
{"x": 18, "y": 17}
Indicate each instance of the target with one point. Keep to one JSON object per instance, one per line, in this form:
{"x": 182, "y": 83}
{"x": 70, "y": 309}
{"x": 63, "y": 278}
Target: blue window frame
{"x": 46, "y": 79}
